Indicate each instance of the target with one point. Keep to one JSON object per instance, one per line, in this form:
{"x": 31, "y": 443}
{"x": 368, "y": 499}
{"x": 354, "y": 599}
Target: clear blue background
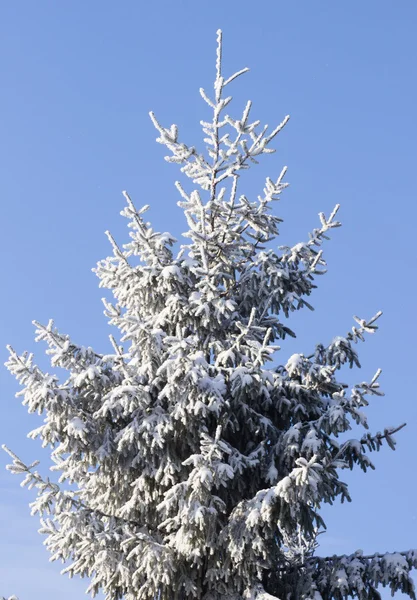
{"x": 77, "y": 82}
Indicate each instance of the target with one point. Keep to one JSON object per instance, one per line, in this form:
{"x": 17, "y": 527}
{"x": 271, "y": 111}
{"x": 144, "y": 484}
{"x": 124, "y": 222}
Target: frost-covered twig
{"x": 34, "y": 479}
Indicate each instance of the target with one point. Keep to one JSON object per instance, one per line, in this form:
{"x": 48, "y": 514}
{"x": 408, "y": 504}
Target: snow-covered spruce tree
{"x": 189, "y": 466}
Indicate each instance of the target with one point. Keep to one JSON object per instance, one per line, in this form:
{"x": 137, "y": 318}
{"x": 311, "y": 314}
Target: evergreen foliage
{"x": 189, "y": 465}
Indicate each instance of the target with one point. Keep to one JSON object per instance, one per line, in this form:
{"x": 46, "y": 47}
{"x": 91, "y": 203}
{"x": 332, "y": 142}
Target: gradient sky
{"x": 78, "y": 80}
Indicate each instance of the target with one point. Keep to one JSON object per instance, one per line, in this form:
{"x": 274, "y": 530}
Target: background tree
{"x": 189, "y": 467}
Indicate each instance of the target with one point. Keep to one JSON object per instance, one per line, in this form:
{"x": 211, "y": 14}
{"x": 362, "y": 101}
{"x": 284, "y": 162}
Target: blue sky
{"x": 78, "y": 80}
